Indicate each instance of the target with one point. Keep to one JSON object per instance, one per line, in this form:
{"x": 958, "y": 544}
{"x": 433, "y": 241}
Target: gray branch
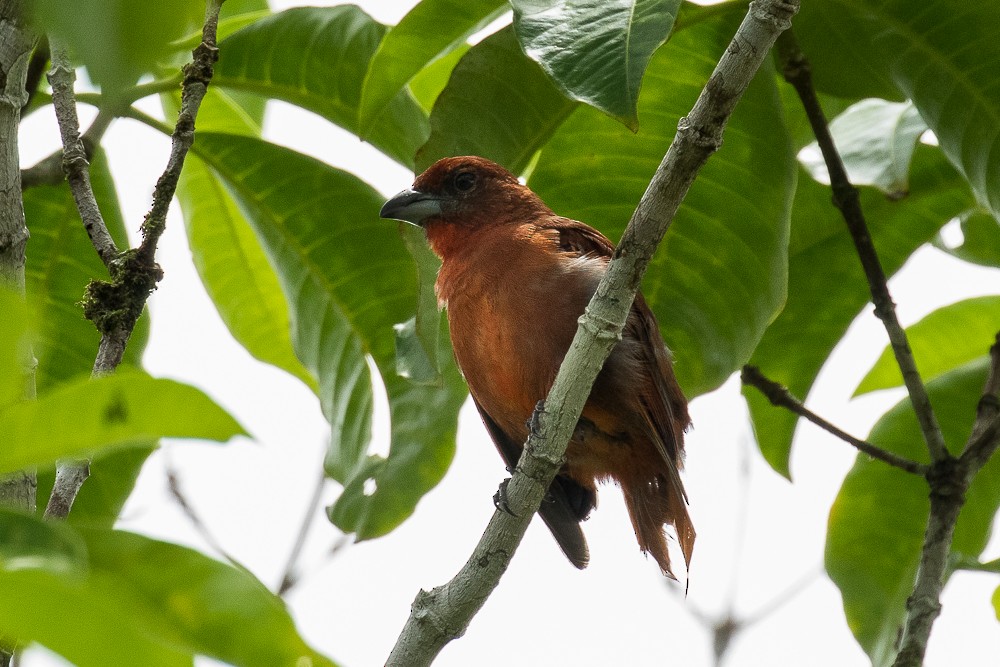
{"x": 62, "y": 76}
{"x": 443, "y": 614}
{"x": 949, "y": 480}
{"x": 16, "y": 490}
{"x": 115, "y": 306}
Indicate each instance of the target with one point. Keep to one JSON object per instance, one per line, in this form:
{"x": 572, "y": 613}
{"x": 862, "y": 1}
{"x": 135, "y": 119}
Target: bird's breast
{"x": 512, "y": 322}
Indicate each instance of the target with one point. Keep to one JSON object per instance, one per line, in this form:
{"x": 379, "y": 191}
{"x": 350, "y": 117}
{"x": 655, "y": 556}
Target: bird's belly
{"x": 508, "y": 364}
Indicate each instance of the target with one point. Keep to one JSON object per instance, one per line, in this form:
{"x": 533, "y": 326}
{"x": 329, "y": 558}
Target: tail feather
{"x": 652, "y": 505}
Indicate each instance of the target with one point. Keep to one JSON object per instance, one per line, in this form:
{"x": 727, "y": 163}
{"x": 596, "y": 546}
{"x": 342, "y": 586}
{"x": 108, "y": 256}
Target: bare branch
{"x": 291, "y": 573}
{"x": 114, "y": 307}
{"x": 781, "y": 397}
{"x": 74, "y": 161}
{"x": 443, "y": 614}
{"x": 949, "y": 480}
{"x": 846, "y": 198}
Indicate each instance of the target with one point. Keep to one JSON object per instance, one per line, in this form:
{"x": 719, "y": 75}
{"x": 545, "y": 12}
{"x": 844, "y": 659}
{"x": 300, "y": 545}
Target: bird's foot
{"x": 500, "y": 498}
{"x": 534, "y": 422}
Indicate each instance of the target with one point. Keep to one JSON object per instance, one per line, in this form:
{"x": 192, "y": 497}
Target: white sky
{"x": 757, "y": 533}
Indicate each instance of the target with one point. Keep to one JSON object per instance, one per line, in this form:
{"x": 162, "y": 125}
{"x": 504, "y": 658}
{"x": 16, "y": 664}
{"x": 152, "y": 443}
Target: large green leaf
{"x": 119, "y": 40}
{"x": 60, "y": 262}
{"x": 349, "y": 279}
{"x": 875, "y": 140}
{"x": 596, "y": 50}
{"x": 90, "y": 415}
{"x": 945, "y": 57}
{"x": 719, "y": 277}
{"x": 980, "y": 239}
{"x": 498, "y": 104}
{"x": 878, "y": 519}
{"x": 827, "y": 289}
{"x": 229, "y": 259}
{"x": 26, "y": 543}
{"x": 137, "y": 601}
{"x": 947, "y": 338}
{"x": 324, "y": 73}
{"x": 210, "y": 608}
{"x": 430, "y": 30}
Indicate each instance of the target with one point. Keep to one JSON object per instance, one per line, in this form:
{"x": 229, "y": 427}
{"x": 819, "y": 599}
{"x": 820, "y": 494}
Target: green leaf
{"x": 498, "y": 104}
{"x": 428, "y": 83}
{"x": 948, "y": 337}
{"x": 90, "y": 415}
{"x": 44, "y": 571}
{"x": 115, "y": 56}
{"x": 418, "y": 339}
{"x": 945, "y": 58}
{"x": 137, "y": 601}
{"x": 207, "y": 607}
{"x": 349, "y": 279}
{"x": 324, "y": 74}
{"x": 827, "y": 289}
{"x": 996, "y": 602}
{"x": 878, "y": 520}
{"x": 229, "y": 259}
{"x": 875, "y": 140}
{"x": 104, "y": 629}
{"x": 719, "y": 277}
{"x": 980, "y": 239}
{"x": 26, "y": 543}
{"x": 430, "y": 30}
{"x": 119, "y": 40}
{"x": 60, "y": 263}
{"x": 227, "y": 26}
{"x": 596, "y": 51}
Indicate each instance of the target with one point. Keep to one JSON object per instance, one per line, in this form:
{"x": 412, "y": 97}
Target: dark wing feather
{"x": 578, "y": 238}
{"x": 564, "y": 506}
{"x": 666, "y": 409}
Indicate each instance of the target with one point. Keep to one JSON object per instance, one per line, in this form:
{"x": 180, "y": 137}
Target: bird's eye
{"x": 465, "y": 181}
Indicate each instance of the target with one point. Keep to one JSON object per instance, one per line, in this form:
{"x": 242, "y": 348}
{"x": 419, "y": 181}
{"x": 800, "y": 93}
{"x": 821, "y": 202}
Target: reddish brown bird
{"x": 515, "y": 277}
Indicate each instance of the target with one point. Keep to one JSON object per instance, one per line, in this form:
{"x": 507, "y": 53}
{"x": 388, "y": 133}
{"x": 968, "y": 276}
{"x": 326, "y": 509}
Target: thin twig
{"x": 114, "y": 307}
{"x": 781, "y": 397}
{"x": 797, "y": 72}
{"x": 443, "y": 614}
{"x": 174, "y": 487}
{"x": 291, "y": 572}
{"x": 49, "y": 170}
{"x": 74, "y": 161}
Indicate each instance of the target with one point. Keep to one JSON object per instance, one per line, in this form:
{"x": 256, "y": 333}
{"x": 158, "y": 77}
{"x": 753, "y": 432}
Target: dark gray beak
{"x": 411, "y": 206}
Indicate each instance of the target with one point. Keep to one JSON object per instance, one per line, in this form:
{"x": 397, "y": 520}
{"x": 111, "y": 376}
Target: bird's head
{"x": 465, "y": 190}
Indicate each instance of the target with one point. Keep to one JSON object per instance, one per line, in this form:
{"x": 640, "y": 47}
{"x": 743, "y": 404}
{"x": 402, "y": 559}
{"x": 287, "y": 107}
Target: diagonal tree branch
{"x": 949, "y": 481}
{"x": 782, "y": 398}
{"x": 62, "y": 76}
{"x": 443, "y": 614}
{"x": 846, "y": 198}
{"x": 115, "y": 306}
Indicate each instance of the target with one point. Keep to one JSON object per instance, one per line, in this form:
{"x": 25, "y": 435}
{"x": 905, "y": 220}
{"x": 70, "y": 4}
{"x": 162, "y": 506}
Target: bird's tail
{"x": 653, "y": 504}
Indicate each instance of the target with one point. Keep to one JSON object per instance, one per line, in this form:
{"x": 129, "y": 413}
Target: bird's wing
{"x": 578, "y": 238}
{"x": 665, "y": 406}
{"x": 564, "y": 506}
